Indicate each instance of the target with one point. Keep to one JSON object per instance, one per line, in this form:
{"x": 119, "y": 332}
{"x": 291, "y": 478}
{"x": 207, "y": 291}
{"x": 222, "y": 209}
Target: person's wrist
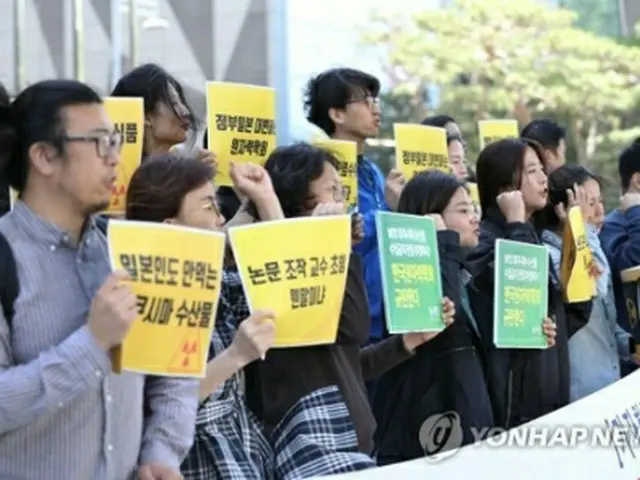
{"x": 104, "y": 346}
{"x": 236, "y": 357}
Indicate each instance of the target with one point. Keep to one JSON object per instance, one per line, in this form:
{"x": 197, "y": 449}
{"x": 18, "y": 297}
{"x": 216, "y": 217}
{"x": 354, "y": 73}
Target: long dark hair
{"x": 428, "y": 192}
{"x": 151, "y": 82}
{"x": 159, "y": 185}
{"x": 500, "y": 166}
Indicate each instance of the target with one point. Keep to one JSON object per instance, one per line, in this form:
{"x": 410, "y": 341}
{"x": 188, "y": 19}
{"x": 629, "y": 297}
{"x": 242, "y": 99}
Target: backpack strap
{"x": 9, "y": 286}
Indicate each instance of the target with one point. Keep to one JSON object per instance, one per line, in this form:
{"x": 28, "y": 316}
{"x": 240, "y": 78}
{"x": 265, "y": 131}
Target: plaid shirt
{"x": 229, "y": 443}
{"x": 316, "y": 437}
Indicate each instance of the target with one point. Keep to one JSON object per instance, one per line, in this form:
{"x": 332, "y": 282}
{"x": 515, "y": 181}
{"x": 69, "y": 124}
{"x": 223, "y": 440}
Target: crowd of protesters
{"x": 301, "y": 412}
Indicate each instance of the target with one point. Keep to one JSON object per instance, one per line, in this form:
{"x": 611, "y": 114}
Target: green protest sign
{"x": 520, "y": 296}
{"x": 410, "y": 267}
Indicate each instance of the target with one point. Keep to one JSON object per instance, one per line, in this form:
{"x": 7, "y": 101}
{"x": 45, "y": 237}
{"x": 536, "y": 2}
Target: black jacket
{"x": 286, "y": 375}
{"x": 524, "y": 384}
{"x": 446, "y": 374}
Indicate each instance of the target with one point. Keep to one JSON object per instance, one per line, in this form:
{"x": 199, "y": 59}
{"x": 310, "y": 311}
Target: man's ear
{"x": 41, "y": 157}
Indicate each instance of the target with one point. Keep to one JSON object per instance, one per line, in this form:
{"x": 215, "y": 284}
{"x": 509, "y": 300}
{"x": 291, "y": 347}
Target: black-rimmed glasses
{"x": 106, "y": 143}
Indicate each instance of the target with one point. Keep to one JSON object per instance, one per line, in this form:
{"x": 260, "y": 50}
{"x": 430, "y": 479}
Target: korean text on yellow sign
{"x": 579, "y": 285}
{"x": 297, "y": 269}
{"x": 176, "y": 274}
{"x": 420, "y": 148}
{"x": 474, "y": 194}
{"x": 347, "y": 155}
{"x": 242, "y": 125}
{"x": 493, "y": 130}
{"x": 127, "y": 115}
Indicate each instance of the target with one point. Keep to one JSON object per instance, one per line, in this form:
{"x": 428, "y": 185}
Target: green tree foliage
{"x": 507, "y": 59}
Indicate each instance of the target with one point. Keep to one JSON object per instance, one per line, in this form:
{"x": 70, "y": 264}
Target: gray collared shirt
{"x": 63, "y": 414}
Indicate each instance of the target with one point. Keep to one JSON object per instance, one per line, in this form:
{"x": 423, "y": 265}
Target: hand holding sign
{"x": 575, "y": 198}
{"x": 357, "y": 229}
{"x": 415, "y": 339}
{"x": 113, "y": 311}
{"x": 255, "y": 336}
{"x": 549, "y": 330}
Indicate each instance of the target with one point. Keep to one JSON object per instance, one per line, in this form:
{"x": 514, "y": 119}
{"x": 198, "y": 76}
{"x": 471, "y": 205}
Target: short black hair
{"x": 544, "y": 131}
{"x": 438, "y": 121}
{"x": 333, "y": 89}
{"x": 292, "y": 170}
{"x": 428, "y": 192}
{"x": 561, "y": 180}
{"x": 37, "y": 115}
{"x": 629, "y": 164}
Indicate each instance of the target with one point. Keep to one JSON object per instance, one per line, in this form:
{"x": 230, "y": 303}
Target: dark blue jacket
{"x": 620, "y": 239}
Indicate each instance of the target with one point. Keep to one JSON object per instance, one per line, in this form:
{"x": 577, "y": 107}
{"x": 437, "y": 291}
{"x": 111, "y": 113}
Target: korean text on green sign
{"x": 410, "y": 268}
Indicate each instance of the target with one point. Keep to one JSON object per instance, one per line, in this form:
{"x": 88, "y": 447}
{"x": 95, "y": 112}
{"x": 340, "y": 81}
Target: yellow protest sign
{"x": 176, "y": 274}
{"x": 578, "y": 284}
{"x": 493, "y": 130}
{"x": 474, "y": 194}
{"x": 347, "y": 155}
{"x": 127, "y": 115}
{"x": 420, "y": 148}
{"x": 242, "y": 126}
{"x": 297, "y": 268}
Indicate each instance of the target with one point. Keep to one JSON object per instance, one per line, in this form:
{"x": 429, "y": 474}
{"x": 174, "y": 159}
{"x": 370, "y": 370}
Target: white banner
{"x": 596, "y": 437}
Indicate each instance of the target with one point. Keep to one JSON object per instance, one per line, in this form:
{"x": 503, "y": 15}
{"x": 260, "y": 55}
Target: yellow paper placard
{"x": 242, "y": 126}
{"x": 347, "y": 155}
{"x": 475, "y": 196}
{"x": 301, "y": 281}
{"x": 176, "y": 274}
{"x": 127, "y": 115}
{"x": 420, "y": 148}
{"x": 493, "y": 130}
{"x": 579, "y": 286}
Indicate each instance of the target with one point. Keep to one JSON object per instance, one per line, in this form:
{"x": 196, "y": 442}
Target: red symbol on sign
{"x": 187, "y": 357}
{"x": 117, "y": 193}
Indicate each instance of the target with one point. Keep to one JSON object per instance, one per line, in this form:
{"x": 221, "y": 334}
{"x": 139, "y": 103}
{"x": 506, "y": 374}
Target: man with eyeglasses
{"x": 344, "y": 103}
{"x": 63, "y": 414}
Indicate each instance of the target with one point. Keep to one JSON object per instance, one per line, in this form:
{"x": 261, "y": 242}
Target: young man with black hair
{"x": 620, "y": 235}
{"x": 344, "y": 103}
{"x": 551, "y": 137}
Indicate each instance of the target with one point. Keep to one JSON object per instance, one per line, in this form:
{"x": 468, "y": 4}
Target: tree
{"x": 500, "y": 58}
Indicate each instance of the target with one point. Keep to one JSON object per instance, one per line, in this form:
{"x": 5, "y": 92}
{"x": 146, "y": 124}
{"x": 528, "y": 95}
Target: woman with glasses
{"x": 306, "y": 182}
{"x": 229, "y": 443}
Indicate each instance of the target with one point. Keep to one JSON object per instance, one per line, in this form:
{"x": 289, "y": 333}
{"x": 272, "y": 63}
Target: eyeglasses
{"x": 106, "y": 143}
{"x": 370, "y": 101}
{"x": 212, "y": 205}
